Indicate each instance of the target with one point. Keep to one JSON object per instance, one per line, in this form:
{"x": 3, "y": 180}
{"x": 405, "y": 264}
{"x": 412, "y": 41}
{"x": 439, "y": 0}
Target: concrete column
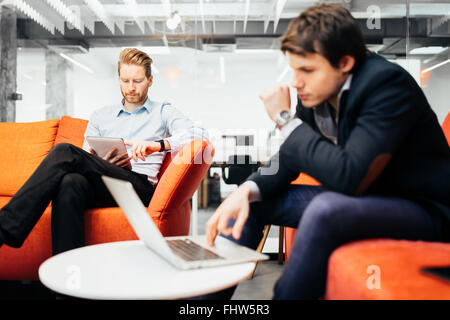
{"x": 8, "y": 63}
{"x": 59, "y": 88}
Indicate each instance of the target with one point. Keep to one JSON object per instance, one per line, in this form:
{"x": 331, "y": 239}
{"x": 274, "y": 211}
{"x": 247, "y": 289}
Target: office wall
{"x": 31, "y": 83}
{"x": 199, "y": 91}
{"x": 222, "y": 103}
{"x": 436, "y": 91}
{"x": 218, "y": 90}
{"x": 435, "y": 87}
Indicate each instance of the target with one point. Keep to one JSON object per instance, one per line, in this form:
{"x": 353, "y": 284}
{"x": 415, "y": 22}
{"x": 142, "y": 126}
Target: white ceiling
{"x": 83, "y": 14}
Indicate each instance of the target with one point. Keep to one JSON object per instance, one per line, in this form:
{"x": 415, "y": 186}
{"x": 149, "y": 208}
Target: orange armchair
{"x": 169, "y": 208}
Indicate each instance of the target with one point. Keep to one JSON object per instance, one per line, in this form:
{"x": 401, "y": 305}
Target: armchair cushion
{"x": 23, "y": 146}
{"x": 103, "y": 225}
{"x": 71, "y": 130}
{"x": 352, "y": 270}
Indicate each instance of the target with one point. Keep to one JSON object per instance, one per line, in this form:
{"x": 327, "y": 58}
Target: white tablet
{"x": 102, "y": 145}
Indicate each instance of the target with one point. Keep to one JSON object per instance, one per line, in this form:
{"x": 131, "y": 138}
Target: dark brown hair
{"x": 136, "y": 57}
{"x": 329, "y": 30}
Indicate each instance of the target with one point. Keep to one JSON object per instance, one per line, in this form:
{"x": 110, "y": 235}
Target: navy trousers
{"x": 326, "y": 220}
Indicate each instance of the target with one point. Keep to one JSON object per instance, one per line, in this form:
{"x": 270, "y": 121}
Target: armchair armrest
{"x": 169, "y": 206}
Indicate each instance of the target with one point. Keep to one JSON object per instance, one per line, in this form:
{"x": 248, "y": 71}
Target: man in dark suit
{"x": 364, "y": 129}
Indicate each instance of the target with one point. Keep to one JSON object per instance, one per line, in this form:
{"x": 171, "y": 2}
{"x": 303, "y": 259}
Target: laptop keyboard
{"x": 190, "y": 251}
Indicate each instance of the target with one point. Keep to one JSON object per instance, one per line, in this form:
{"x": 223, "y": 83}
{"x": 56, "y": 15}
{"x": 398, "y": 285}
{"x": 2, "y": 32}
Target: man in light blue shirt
{"x": 71, "y": 177}
{"x": 153, "y": 121}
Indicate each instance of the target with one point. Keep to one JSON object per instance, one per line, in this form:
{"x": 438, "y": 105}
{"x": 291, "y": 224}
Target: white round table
{"x": 129, "y": 270}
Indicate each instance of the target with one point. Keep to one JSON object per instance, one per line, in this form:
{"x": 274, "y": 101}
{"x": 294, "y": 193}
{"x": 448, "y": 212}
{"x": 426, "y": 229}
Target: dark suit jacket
{"x": 390, "y": 143}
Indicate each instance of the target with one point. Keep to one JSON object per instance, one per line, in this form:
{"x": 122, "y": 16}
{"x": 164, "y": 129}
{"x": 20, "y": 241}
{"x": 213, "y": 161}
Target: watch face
{"x": 283, "y": 117}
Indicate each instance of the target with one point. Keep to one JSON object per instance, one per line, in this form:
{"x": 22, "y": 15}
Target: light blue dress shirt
{"x": 151, "y": 122}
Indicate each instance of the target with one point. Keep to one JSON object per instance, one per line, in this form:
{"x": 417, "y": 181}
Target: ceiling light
{"x": 154, "y": 69}
{"x": 278, "y": 10}
{"x": 375, "y": 47}
{"x": 202, "y": 15}
{"x": 73, "y": 61}
{"x": 176, "y": 17}
{"x": 174, "y": 20}
{"x": 428, "y": 50}
{"x": 247, "y": 8}
{"x": 283, "y": 74}
{"x": 436, "y": 66}
{"x": 166, "y": 42}
{"x": 171, "y": 24}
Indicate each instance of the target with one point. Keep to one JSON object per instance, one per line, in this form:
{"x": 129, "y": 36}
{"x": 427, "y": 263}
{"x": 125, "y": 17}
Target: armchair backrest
{"x": 71, "y": 130}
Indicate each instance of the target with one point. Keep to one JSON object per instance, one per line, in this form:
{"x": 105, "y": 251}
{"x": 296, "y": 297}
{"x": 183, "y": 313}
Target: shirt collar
{"x": 147, "y": 106}
{"x": 345, "y": 87}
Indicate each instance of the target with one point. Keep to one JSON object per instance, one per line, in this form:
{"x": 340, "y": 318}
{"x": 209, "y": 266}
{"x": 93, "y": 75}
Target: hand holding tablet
{"x": 110, "y": 149}
{"x": 103, "y": 147}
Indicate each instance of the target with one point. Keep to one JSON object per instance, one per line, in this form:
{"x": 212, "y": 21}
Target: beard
{"x": 135, "y": 98}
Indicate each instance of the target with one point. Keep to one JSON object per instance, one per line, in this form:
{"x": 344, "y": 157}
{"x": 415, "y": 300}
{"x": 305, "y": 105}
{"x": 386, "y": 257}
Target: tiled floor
{"x": 260, "y": 287}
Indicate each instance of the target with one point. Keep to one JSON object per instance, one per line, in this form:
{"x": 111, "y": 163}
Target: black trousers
{"x": 71, "y": 178}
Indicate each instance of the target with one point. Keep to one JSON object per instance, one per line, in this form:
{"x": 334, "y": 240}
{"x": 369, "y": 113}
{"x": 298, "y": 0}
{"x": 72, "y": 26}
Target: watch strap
{"x": 161, "y": 142}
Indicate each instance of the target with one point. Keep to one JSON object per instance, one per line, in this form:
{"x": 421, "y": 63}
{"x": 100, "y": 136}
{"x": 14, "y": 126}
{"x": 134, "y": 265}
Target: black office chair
{"x": 240, "y": 167}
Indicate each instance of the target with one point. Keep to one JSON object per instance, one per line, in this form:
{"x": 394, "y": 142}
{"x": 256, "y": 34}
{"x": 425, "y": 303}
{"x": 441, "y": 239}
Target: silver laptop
{"x": 183, "y": 252}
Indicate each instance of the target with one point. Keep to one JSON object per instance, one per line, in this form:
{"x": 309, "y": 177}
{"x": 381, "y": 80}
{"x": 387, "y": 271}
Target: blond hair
{"x": 134, "y": 56}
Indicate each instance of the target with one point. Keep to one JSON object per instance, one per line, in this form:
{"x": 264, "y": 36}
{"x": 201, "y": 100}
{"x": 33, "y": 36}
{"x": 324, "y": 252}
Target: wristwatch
{"x": 282, "y": 118}
{"x": 163, "y": 146}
